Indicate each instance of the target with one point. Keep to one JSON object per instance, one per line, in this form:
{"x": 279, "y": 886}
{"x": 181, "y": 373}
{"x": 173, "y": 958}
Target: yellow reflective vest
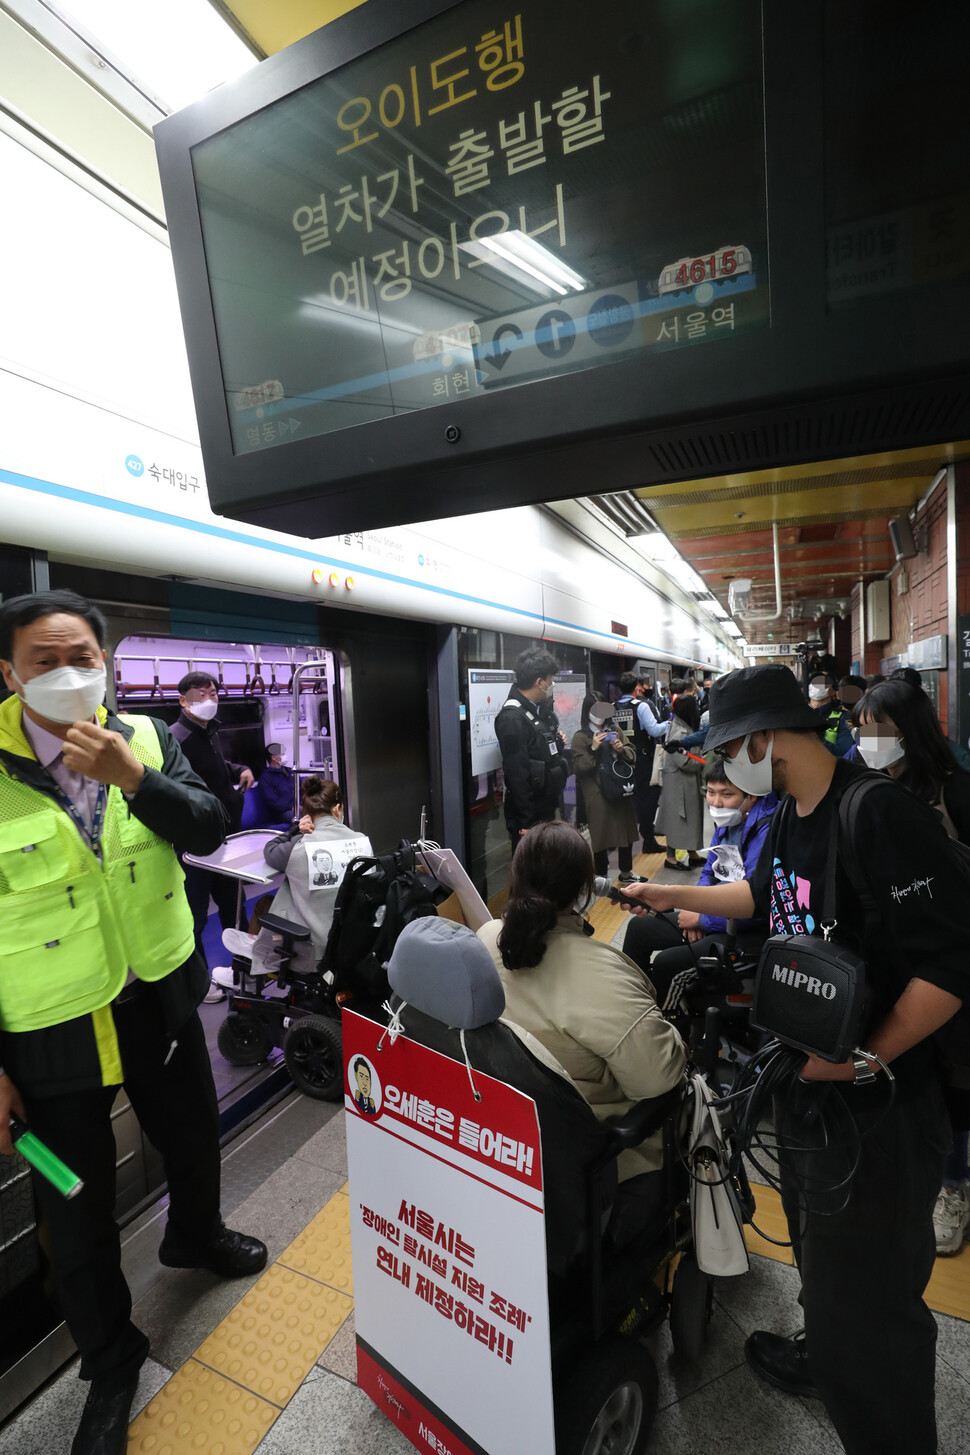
{"x": 73, "y": 925}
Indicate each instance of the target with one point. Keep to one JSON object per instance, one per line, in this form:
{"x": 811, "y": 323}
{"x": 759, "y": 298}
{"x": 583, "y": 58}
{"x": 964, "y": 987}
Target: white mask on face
{"x": 205, "y": 710}
{"x": 68, "y": 694}
{"x": 752, "y": 778}
{"x": 727, "y": 818}
{"x": 878, "y": 753}
{"x": 819, "y": 694}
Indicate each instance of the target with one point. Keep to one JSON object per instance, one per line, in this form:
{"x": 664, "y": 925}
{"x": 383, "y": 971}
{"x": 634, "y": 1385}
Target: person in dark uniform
{"x": 196, "y": 731}
{"x": 641, "y": 721}
{"x": 866, "y": 1253}
{"x": 533, "y": 748}
{"x": 100, "y": 980}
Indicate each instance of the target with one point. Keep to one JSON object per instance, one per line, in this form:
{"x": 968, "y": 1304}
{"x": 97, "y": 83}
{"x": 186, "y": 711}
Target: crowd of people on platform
{"x": 111, "y": 803}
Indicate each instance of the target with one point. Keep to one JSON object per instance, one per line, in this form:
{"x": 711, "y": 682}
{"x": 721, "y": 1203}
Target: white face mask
{"x": 819, "y": 694}
{"x": 205, "y": 710}
{"x": 879, "y": 752}
{"x": 68, "y": 694}
{"x": 727, "y": 818}
{"x": 753, "y": 779}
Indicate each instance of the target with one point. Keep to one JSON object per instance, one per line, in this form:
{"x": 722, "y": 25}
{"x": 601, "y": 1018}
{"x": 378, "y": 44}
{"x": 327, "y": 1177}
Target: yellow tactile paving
{"x": 276, "y": 1333}
{"x": 322, "y": 1251}
{"x": 948, "y": 1291}
{"x": 199, "y": 1411}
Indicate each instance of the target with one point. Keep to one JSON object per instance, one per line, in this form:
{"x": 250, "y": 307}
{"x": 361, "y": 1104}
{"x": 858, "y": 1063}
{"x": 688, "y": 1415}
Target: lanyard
{"x": 92, "y": 835}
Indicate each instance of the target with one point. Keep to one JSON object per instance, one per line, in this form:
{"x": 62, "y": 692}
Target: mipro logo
{"x": 798, "y": 980}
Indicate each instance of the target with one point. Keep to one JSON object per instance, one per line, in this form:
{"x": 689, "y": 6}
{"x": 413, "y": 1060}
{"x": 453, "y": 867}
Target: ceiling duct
{"x": 627, "y": 512}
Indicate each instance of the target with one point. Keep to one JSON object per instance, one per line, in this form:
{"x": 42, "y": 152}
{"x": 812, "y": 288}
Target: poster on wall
{"x": 448, "y": 1246}
{"x": 486, "y": 693}
{"x": 568, "y": 694}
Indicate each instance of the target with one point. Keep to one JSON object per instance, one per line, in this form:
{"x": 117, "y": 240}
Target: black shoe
{"x": 676, "y": 864}
{"x": 231, "y": 1255}
{"x": 104, "y": 1423}
{"x": 696, "y": 861}
{"x": 628, "y": 877}
{"x": 782, "y": 1362}
{"x": 650, "y": 846}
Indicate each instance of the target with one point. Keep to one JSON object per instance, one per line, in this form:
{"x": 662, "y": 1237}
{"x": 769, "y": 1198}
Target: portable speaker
{"x": 812, "y": 994}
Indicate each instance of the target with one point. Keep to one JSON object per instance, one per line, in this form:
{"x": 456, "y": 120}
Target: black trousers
{"x": 199, "y": 885}
{"x": 645, "y": 801}
{"x": 647, "y": 934}
{"x": 624, "y": 858}
{"x": 870, "y": 1338}
{"x": 176, "y": 1105}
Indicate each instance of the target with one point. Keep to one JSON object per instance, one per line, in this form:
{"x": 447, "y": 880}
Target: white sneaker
{"x": 222, "y": 975}
{"x": 950, "y": 1217}
{"x": 237, "y": 942}
{"x": 215, "y": 994}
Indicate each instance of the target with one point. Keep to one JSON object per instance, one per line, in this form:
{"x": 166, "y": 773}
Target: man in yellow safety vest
{"x": 100, "y": 979}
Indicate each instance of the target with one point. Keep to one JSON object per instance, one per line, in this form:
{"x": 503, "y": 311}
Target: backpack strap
{"x": 847, "y": 822}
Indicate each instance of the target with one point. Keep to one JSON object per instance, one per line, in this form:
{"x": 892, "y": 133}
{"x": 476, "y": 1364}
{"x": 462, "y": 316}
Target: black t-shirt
{"x": 919, "y": 929}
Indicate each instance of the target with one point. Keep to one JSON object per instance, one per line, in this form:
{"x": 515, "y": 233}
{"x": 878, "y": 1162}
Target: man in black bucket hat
{"x": 868, "y": 1346}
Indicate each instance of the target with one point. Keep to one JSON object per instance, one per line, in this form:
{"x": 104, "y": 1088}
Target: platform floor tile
{"x": 200, "y": 1411}
{"x": 276, "y": 1333}
{"x": 322, "y": 1251}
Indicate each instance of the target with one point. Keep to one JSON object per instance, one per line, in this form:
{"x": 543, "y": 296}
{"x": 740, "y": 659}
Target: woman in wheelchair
{"x": 313, "y": 855}
{"x": 584, "y": 1001}
{"x": 741, "y": 827}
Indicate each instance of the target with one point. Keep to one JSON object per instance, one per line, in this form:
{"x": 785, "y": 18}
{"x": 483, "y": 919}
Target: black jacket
{"x": 533, "y": 761}
{"x": 175, "y": 804}
{"x": 199, "y": 742}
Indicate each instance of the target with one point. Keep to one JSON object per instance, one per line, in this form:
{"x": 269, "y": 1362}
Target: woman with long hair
{"x": 900, "y": 734}
{"x": 590, "y": 1006}
{"x": 599, "y": 746}
{"x": 680, "y": 817}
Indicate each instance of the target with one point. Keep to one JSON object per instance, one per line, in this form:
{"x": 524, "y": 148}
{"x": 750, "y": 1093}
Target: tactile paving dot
{"x": 276, "y": 1333}
{"x": 198, "y": 1410}
{"x": 322, "y": 1251}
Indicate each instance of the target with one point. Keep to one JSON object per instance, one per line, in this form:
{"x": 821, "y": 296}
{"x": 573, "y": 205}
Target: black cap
{"x": 754, "y": 698}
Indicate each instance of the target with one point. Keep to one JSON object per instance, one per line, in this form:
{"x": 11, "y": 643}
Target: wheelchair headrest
{"x": 444, "y": 971}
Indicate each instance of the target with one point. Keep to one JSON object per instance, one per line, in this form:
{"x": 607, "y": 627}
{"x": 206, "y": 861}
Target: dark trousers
{"x": 624, "y": 858}
{"x": 870, "y": 1338}
{"x": 648, "y": 933}
{"x": 199, "y": 885}
{"x": 645, "y": 801}
{"x": 176, "y": 1106}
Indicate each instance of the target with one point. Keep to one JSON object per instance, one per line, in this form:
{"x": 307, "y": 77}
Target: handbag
{"x": 715, "y": 1209}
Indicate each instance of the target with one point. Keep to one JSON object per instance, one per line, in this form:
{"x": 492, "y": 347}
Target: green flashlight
{"x": 46, "y": 1162}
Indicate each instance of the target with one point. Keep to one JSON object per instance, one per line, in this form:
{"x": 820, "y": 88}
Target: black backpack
{"x": 376, "y": 899}
{"x": 952, "y": 1040}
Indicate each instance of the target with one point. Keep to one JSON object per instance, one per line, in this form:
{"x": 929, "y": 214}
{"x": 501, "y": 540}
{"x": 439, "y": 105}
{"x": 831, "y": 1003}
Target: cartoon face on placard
{"x": 365, "y": 1086}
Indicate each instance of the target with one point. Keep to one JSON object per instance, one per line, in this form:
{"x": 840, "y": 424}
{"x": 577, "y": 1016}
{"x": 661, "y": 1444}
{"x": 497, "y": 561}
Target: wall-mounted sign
{"x": 770, "y": 649}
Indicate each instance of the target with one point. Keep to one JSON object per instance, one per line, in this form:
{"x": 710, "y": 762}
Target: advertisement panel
{"x": 448, "y": 1241}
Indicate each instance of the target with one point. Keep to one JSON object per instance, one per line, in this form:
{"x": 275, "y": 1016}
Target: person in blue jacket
{"x": 269, "y": 803}
{"x": 741, "y": 827}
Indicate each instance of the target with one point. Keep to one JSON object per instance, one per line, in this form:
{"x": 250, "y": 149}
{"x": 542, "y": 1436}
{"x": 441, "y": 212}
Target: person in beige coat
{"x": 590, "y": 1006}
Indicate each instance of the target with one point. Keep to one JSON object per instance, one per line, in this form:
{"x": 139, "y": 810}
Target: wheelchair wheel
{"x": 690, "y": 1309}
{"x": 313, "y": 1052}
{"x": 243, "y": 1040}
{"x": 608, "y": 1400}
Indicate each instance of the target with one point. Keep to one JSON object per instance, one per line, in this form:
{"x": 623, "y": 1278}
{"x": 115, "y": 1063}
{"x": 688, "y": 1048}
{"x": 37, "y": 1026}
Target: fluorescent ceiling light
{"x": 716, "y": 609}
{"x": 180, "y": 50}
{"x": 521, "y": 258}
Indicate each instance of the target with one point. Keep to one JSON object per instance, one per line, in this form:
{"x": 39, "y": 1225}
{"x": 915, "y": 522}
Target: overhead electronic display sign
{"x": 429, "y": 255}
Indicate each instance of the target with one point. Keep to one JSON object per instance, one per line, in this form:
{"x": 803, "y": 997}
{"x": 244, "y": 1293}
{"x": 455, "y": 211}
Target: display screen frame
{"x": 512, "y": 447}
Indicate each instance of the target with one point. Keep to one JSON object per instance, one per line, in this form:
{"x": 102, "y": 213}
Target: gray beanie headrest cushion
{"x": 444, "y": 970}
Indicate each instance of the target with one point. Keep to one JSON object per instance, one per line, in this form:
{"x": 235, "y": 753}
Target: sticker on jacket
{"x": 728, "y": 865}
{"x": 327, "y": 862}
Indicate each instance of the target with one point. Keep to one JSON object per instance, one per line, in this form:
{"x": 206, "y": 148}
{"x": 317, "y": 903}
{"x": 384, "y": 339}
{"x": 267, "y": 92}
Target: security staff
{"x": 824, "y": 697}
{"x": 99, "y": 979}
{"x": 640, "y": 720}
{"x": 864, "y": 1248}
{"x": 533, "y": 748}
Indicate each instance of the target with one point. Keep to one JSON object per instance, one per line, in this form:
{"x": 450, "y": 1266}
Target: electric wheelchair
{"x": 605, "y": 1292}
